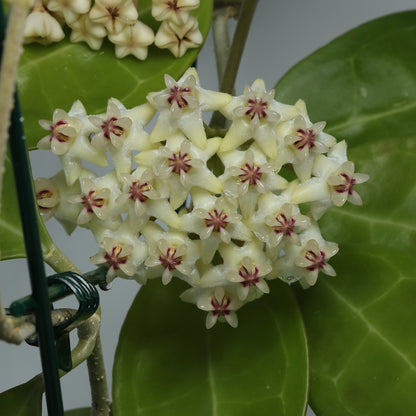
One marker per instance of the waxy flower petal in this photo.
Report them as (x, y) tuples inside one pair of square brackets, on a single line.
[(214, 212), (133, 40), (113, 14), (176, 11), (178, 38), (85, 30), (41, 27)]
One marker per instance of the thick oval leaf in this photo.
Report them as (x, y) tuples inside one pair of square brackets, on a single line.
[(364, 85), (23, 400), (168, 363), (57, 75), (360, 323), (360, 327)]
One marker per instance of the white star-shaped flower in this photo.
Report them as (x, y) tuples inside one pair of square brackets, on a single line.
[(47, 197), (172, 253), (69, 139), (113, 14), (342, 183), (85, 30), (182, 165), (133, 40), (71, 9), (180, 107), (255, 114), (178, 38), (176, 11), (215, 220)]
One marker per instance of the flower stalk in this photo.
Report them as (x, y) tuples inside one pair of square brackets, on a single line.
[(98, 381), (227, 82), (221, 38)]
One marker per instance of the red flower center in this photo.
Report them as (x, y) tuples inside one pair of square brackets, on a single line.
[(113, 12), (173, 5), (348, 186), (217, 220), (251, 174), (256, 107), (110, 127), (251, 278), (44, 193), (170, 260), (89, 201), (178, 95), (56, 134), (179, 162), (138, 191), (306, 138), (317, 260), (286, 225), (220, 308), (114, 259)]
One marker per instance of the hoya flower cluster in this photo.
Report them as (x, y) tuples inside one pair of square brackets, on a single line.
[(92, 21), (216, 212)]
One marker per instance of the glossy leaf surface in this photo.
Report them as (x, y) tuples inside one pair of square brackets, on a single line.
[(168, 363), (361, 323), (11, 235), (55, 76), (360, 328), (23, 400)]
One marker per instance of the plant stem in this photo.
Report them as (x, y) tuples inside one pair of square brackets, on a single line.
[(239, 40), (99, 389), (55, 258), (211, 132), (8, 73), (221, 39), (95, 361), (21, 328), (88, 331), (248, 8)]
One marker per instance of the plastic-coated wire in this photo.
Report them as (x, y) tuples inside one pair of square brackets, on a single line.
[(34, 254), (88, 299), (36, 267), (56, 290), (35, 263), (85, 293)]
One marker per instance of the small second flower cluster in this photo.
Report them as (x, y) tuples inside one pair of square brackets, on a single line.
[(118, 21), (224, 214)]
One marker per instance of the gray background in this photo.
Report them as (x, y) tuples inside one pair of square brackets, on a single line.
[(282, 33)]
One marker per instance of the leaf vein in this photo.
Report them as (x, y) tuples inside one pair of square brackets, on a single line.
[(353, 121), (373, 220), (371, 327)]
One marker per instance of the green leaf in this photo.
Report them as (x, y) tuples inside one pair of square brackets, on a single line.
[(360, 328), (85, 411), (23, 400), (11, 235), (26, 400), (360, 324), (11, 240), (55, 76), (168, 363)]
